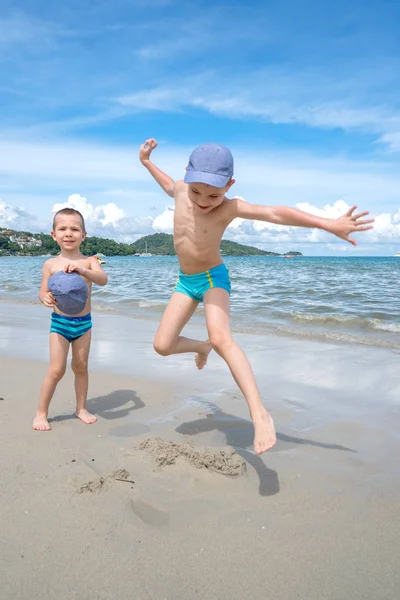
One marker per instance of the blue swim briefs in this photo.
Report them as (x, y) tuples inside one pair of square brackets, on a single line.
[(195, 286), (71, 328)]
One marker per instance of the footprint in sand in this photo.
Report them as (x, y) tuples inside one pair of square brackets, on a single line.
[(148, 514), (98, 484)]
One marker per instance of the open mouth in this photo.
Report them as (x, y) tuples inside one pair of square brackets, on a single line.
[(203, 207)]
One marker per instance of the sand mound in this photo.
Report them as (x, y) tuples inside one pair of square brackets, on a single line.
[(225, 461)]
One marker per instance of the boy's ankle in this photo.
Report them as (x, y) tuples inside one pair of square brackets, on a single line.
[(41, 413)]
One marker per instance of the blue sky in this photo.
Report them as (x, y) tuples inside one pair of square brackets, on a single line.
[(306, 94)]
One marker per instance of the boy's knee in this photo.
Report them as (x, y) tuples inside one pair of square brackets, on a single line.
[(79, 368), (57, 373), (162, 346), (220, 339)]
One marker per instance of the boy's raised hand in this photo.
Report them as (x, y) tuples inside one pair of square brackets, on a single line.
[(147, 148), (72, 268), (350, 223)]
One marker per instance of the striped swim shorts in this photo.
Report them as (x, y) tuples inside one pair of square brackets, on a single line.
[(71, 328)]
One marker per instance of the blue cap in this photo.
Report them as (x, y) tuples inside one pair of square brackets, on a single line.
[(70, 291), (211, 164)]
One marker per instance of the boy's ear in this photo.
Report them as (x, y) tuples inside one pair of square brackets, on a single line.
[(230, 184), (53, 235)]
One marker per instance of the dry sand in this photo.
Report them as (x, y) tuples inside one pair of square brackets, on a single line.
[(163, 498)]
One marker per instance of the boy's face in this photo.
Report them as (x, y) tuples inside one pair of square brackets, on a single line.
[(68, 232), (207, 197)]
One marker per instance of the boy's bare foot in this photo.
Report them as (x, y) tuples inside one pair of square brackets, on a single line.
[(201, 357), (40, 423), (85, 416), (264, 433)]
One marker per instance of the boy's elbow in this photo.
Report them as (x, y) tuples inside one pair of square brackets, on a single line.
[(170, 190)]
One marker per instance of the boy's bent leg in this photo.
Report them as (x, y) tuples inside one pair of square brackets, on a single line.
[(168, 341), (79, 364), (217, 309), (59, 348)]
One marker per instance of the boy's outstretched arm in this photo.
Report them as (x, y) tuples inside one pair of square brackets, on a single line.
[(285, 215), (164, 180)]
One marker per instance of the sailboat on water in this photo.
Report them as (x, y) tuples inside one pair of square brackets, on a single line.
[(145, 254)]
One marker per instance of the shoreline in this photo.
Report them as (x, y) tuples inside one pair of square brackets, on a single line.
[(257, 329)]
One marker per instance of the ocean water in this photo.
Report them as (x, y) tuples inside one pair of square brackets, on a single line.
[(347, 299)]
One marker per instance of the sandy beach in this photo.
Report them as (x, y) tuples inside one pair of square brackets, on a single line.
[(164, 499)]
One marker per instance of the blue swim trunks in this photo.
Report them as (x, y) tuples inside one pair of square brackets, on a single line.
[(71, 328), (195, 286)]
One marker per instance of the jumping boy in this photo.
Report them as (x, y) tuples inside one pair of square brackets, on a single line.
[(66, 330), (202, 213)]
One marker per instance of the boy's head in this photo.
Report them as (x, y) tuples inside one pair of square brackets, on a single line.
[(209, 175), (68, 228)]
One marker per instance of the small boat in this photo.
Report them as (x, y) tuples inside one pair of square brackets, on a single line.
[(145, 254), (397, 255), (100, 259)]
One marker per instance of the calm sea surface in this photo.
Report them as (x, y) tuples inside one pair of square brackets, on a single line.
[(344, 299)]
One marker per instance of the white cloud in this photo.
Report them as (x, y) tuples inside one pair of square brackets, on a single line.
[(16, 217), (106, 214), (108, 220), (386, 229), (165, 221), (308, 98), (392, 140)]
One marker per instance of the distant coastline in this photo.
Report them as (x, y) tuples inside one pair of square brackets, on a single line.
[(24, 243)]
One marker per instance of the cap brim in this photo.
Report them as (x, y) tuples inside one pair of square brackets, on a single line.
[(218, 181)]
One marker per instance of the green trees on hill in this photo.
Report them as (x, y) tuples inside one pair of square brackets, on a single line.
[(157, 243), (95, 245), (163, 243)]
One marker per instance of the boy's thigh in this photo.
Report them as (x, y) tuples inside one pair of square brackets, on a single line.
[(178, 312), (217, 309), (59, 348), (81, 347)]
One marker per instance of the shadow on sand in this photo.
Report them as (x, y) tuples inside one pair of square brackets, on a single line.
[(116, 405), (239, 434)]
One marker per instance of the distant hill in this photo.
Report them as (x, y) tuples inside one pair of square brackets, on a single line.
[(25, 243), (163, 244), (37, 244)]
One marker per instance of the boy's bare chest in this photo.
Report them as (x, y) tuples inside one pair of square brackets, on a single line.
[(196, 228), (60, 264)]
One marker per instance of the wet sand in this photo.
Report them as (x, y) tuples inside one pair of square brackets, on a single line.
[(163, 497)]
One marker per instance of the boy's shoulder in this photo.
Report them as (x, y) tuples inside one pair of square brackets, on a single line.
[(49, 262), (229, 204), (180, 186), (91, 260)]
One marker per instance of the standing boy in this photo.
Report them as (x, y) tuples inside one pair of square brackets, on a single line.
[(66, 330), (202, 214)]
